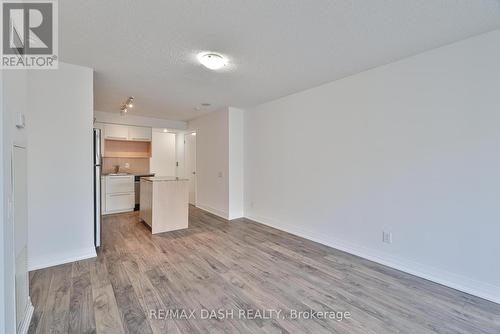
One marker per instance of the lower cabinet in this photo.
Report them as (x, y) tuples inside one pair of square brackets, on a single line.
[(118, 194), (120, 202)]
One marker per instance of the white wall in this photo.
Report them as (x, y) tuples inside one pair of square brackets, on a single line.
[(410, 148), (13, 101), (219, 162), (212, 162), (235, 161), (3, 217), (131, 119), (60, 166)]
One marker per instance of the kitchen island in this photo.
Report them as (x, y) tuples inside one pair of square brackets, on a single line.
[(164, 203)]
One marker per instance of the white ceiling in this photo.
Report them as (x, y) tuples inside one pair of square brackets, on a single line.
[(147, 48)]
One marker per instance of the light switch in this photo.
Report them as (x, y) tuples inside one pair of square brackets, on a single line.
[(20, 120), (219, 174), (387, 237)]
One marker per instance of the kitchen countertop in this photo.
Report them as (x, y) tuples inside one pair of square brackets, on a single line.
[(144, 174), (162, 178), (126, 174)]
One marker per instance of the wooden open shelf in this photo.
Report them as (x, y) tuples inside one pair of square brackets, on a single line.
[(126, 149)]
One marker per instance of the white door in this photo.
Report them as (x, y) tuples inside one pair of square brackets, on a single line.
[(20, 203), (190, 161), (163, 162)]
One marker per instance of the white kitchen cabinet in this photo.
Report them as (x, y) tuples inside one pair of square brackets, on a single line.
[(163, 154), (126, 132), (139, 133), (164, 203), (115, 131), (119, 184), (119, 194), (120, 202)]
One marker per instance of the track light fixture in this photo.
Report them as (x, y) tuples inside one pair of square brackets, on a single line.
[(129, 103)]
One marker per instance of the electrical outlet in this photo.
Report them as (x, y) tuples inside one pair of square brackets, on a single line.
[(127, 165), (387, 237)]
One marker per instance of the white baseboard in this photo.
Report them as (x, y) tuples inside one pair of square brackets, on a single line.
[(25, 324), (235, 216), (50, 261), (217, 212), (107, 213), (477, 288)]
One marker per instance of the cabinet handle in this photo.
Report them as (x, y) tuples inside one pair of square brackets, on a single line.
[(114, 195)]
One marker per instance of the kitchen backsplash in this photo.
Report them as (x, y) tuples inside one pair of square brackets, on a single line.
[(136, 165)]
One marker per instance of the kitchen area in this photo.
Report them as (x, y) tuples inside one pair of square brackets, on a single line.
[(128, 161)]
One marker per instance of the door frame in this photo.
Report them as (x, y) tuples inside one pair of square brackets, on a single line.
[(21, 324), (190, 133)]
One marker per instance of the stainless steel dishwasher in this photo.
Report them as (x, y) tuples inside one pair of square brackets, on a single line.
[(137, 188)]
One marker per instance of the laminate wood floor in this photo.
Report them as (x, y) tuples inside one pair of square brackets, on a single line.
[(246, 266)]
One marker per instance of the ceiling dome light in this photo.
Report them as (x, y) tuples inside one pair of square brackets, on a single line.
[(212, 60)]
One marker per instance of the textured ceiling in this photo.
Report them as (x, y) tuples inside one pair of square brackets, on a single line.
[(148, 48)]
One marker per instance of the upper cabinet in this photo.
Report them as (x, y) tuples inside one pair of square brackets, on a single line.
[(125, 132), (115, 132), (125, 141), (139, 133)]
